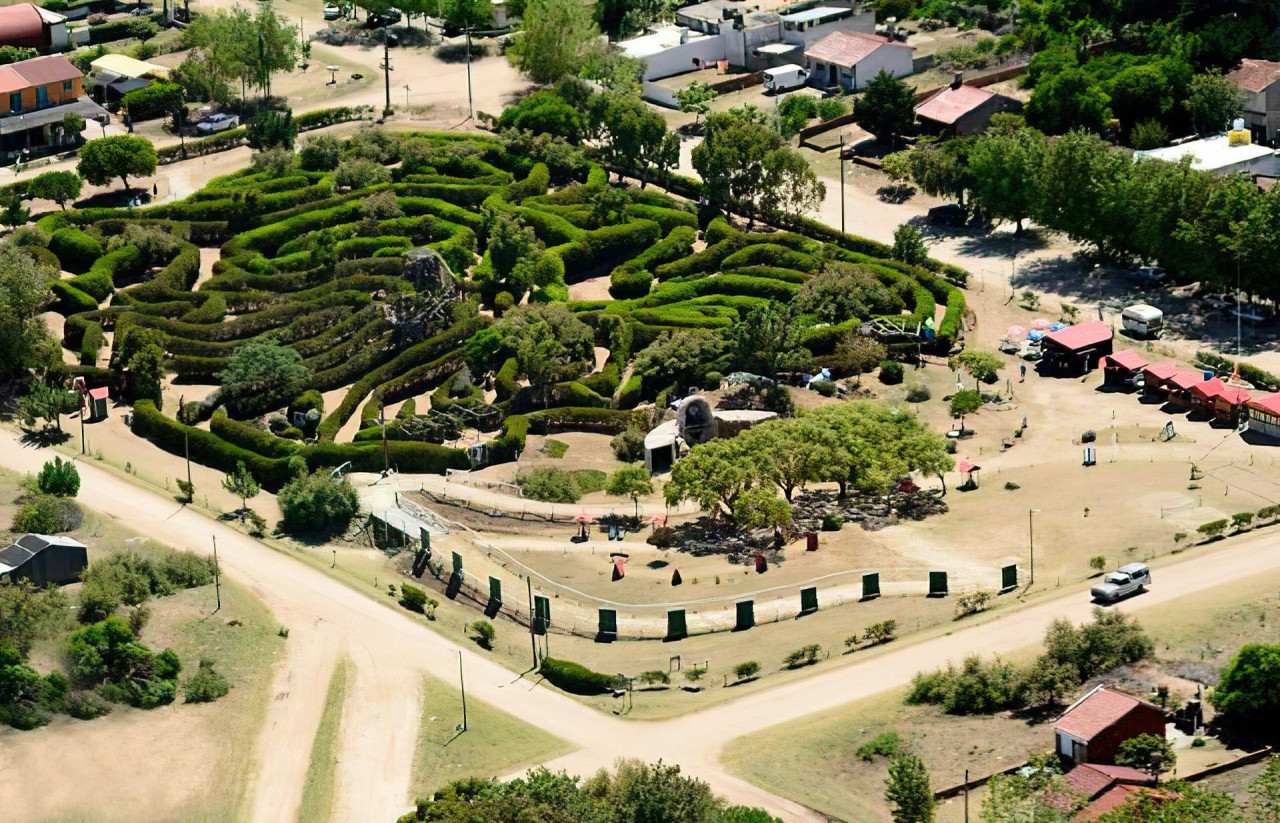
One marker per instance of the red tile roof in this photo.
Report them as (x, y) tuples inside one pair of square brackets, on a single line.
[(1255, 75), (848, 48), (1081, 335), (40, 71), (100, 393), (21, 25), (1234, 396), (1127, 359), (1266, 402), (1208, 388), (950, 104), (1095, 712), (1161, 371), (1187, 379)]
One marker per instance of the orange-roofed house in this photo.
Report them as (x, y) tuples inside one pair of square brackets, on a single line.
[(850, 59), (1263, 413), (1092, 729), (35, 96), (1102, 787), (961, 109), (1121, 369)]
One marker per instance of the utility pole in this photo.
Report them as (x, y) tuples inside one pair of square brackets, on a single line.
[(533, 637), (966, 796), (842, 182), (463, 686), (217, 578), (386, 460), (186, 444), (1031, 543), (470, 109), (386, 71), (83, 409), (406, 95)]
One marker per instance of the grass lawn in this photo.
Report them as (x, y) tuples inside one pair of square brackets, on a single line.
[(494, 744), (317, 794)]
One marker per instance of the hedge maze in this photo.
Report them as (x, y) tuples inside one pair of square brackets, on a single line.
[(385, 261)]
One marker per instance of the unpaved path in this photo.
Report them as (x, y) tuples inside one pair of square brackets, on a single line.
[(327, 619)]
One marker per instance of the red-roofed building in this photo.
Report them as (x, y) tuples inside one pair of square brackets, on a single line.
[(1092, 729), (1178, 388), (851, 58), (1220, 400), (1260, 82), (1122, 368), (29, 26), (96, 399), (1263, 414), (961, 109), (1077, 349)]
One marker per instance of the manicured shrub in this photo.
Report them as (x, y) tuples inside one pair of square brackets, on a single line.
[(574, 678), (317, 504), (483, 632), (549, 485), (206, 685), (59, 478), (890, 373), (77, 250)]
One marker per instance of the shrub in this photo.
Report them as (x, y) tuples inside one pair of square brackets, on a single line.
[(58, 478), (320, 153), (413, 598), (550, 485), (358, 173), (483, 632), (742, 671), (1098, 562), (890, 373), (654, 676), (1213, 529), (1142, 752), (206, 685), (976, 687), (46, 514), (575, 678), (882, 632), (85, 706), (1249, 689), (885, 744), (317, 504), (832, 523), (77, 250), (803, 656), (918, 394), (973, 603)]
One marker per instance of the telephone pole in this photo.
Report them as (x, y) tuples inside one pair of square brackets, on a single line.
[(386, 70), (217, 577), (842, 182), (470, 109), (462, 684), (533, 637), (186, 445)]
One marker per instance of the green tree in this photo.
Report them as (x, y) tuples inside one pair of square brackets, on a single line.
[(1177, 803), (787, 453), (761, 508), (1005, 174), (59, 478), (714, 475), (467, 14), (261, 368), (241, 484), (871, 445), (25, 340), (1212, 102), (551, 345), (272, 129), (633, 137), (122, 156), (964, 403), (846, 291), (1249, 690), (1264, 792), (630, 481), (48, 403), (907, 790), (29, 613), (274, 48), (317, 504), (72, 124), (769, 339), (146, 373), (1069, 100), (790, 185), (680, 358), (1138, 93), (908, 245), (886, 107), (1147, 752), (983, 366), (1148, 134), (695, 99), (511, 240), (556, 40), (61, 187), (942, 169), (731, 158)]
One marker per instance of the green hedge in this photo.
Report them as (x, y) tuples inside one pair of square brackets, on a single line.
[(77, 250), (570, 418), (90, 344), (575, 678), (504, 381), (206, 448), (630, 395), (250, 437)]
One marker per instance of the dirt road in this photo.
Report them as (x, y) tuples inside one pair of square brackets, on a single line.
[(328, 620)]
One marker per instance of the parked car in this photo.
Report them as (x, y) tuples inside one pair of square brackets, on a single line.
[(1151, 275), (388, 18), (332, 12), (218, 122), (1124, 581), (784, 78)]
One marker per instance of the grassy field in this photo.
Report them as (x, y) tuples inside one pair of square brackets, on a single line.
[(494, 744), (317, 795), (814, 761)]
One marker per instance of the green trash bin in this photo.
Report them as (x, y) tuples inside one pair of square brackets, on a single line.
[(541, 614), (1009, 578)]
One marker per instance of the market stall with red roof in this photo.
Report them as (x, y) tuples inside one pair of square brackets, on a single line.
[(1263, 414), (1075, 350), (1222, 401), (1122, 368), (1180, 385)]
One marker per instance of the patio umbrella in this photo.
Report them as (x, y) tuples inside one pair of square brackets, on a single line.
[(1040, 323), (584, 518), (659, 520), (1015, 332)]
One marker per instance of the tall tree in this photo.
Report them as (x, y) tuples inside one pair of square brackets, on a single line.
[(25, 341), (551, 345), (886, 107), (730, 158), (261, 369), (1212, 102), (907, 790), (769, 339), (61, 187), (555, 41), (695, 99), (1005, 171), (122, 155), (630, 481), (1069, 100), (1249, 689), (274, 49), (242, 484), (634, 137)]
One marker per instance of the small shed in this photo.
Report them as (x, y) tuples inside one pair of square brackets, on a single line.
[(96, 399), (1179, 386), (1155, 378), (961, 109), (1092, 729), (1220, 400), (44, 560), (1076, 350), (1121, 369), (1263, 414)]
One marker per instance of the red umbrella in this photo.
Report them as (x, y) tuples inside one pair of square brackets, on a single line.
[(584, 518)]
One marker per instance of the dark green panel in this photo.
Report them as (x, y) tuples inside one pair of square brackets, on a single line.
[(746, 615), (608, 621), (676, 626), (937, 583), (809, 600), (870, 585)]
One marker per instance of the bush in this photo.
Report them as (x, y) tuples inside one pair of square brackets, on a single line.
[(832, 523), (317, 504), (976, 687), (550, 485), (918, 394), (575, 678), (46, 514), (655, 676), (320, 153), (416, 600), (973, 603), (629, 446), (483, 632), (358, 173), (885, 744), (206, 685), (882, 632), (803, 656), (742, 671), (77, 250), (58, 478), (1142, 752), (890, 373), (85, 706)]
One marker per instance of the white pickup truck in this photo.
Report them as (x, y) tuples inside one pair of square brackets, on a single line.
[(217, 122), (1121, 583)]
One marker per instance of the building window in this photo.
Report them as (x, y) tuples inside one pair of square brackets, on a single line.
[(66, 86), (15, 101), (42, 97)]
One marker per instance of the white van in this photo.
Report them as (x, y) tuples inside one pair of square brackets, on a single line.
[(1143, 320), (785, 78)]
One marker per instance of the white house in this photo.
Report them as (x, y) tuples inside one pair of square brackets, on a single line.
[(1217, 155), (851, 58)]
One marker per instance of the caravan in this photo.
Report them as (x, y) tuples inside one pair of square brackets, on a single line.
[(1142, 320)]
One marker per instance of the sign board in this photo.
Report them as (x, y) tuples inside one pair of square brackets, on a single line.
[(608, 627), (425, 537), (1009, 578), (809, 600), (937, 584), (495, 589), (677, 628), (541, 614), (870, 585), (746, 615), (457, 562)]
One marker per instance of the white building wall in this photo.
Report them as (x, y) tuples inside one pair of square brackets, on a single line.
[(58, 36), (679, 59), (864, 22), (894, 59)]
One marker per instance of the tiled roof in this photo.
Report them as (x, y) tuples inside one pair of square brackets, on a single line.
[(1081, 335), (40, 71), (1096, 712), (1208, 388), (847, 48), (1255, 75), (1267, 402), (1187, 379), (1127, 359), (950, 104), (1160, 371), (20, 23)]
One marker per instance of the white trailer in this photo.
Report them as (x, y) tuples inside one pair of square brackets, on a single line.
[(785, 78), (1143, 320)]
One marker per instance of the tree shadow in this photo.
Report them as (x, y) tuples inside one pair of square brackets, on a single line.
[(1003, 244), (43, 438)]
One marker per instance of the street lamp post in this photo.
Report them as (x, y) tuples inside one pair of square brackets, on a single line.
[(1031, 543)]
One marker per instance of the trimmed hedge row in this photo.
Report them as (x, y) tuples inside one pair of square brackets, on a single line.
[(634, 277), (575, 678), (250, 437)]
